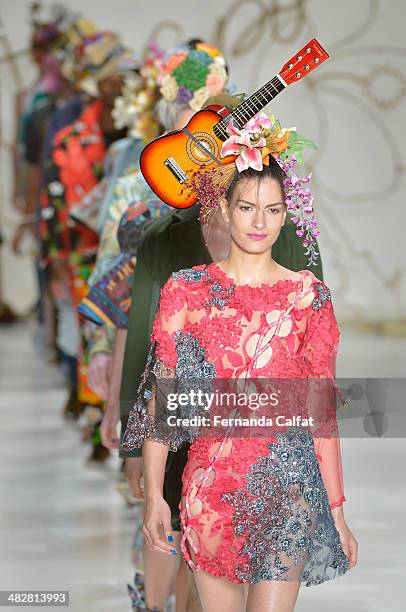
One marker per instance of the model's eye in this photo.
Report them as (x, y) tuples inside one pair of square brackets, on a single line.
[(245, 207), (274, 211)]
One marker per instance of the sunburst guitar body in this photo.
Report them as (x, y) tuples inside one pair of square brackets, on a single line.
[(178, 155), (169, 162)]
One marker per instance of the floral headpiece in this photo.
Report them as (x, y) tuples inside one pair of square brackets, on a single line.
[(135, 107), (251, 145), (96, 57), (193, 73), (46, 32)]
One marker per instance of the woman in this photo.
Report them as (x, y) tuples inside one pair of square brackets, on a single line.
[(259, 516)]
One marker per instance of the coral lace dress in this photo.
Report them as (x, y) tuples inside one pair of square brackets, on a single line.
[(251, 509)]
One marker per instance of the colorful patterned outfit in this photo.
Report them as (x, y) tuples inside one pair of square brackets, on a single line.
[(74, 167), (132, 209), (251, 509)]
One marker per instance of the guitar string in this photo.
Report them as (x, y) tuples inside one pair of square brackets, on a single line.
[(257, 93), (242, 116), (221, 126), (249, 104), (261, 93)]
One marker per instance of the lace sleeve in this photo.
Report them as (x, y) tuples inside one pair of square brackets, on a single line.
[(148, 418), (319, 351)]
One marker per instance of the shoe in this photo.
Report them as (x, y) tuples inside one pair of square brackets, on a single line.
[(73, 407), (7, 315), (137, 593), (99, 454)]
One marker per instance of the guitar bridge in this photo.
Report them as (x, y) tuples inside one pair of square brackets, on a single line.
[(176, 170)]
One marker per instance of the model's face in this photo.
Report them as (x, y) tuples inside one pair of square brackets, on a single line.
[(110, 88), (183, 118), (255, 215), (37, 56)]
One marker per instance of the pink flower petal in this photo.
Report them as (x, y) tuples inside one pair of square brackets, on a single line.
[(253, 158), (230, 147), (245, 139), (252, 124), (241, 163), (265, 122), (231, 129), (261, 143)]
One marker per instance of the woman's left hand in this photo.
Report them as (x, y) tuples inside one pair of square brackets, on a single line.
[(348, 541), (157, 525)]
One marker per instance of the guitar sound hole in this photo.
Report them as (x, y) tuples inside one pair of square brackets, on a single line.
[(202, 148)]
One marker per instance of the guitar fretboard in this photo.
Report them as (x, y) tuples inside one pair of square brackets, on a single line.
[(255, 103)]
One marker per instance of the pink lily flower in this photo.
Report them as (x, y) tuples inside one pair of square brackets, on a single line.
[(258, 123), (248, 153)]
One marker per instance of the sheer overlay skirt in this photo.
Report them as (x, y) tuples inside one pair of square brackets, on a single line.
[(257, 509)]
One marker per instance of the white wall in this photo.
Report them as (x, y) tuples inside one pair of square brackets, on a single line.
[(353, 106)]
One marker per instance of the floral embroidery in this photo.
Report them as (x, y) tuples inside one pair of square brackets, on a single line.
[(191, 361), (189, 274), (192, 371), (324, 295), (289, 533), (221, 295)]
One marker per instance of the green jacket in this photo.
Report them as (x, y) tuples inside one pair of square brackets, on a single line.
[(170, 244)]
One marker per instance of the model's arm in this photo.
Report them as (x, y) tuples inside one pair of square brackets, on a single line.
[(136, 343), (148, 416), (101, 359), (112, 414), (157, 522), (147, 422), (319, 351)]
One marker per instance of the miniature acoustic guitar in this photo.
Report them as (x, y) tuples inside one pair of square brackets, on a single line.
[(168, 162)]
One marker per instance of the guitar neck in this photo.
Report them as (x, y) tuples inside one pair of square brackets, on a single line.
[(250, 107)]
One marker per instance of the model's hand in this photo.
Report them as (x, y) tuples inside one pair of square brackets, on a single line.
[(157, 525), (23, 228), (348, 541), (99, 373), (133, 472), (108, 427)]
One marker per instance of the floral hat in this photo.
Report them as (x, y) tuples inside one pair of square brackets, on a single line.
[(46, 32), (62, 32), (135, 108), (193, 72), (251, 146), (96, 57)]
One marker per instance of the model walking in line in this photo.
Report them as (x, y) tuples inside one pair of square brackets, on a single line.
[(259, 516)]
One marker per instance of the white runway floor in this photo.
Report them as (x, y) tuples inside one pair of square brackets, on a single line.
[(63, 525)]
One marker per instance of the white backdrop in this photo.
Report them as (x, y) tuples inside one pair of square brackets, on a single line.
[(353, 107)]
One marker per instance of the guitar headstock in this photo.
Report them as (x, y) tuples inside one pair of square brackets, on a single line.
[(303, 62)]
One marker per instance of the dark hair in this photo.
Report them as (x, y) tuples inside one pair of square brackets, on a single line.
[(272, 171)]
